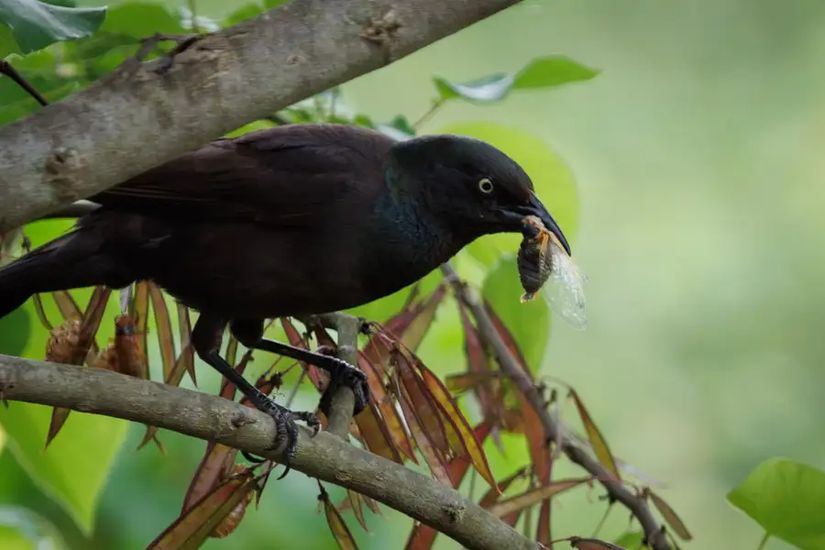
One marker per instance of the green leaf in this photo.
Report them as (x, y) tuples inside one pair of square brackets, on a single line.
[(36, 25), (787, 499), (12, 539), (141, 19), (544, 72), (632, 540), (8, 45), (74, 468), (549, 72), (487, 89), (14, 331), (530, 322)]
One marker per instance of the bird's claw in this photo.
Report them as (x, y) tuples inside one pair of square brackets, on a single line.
[(344, 374), (286, 436)]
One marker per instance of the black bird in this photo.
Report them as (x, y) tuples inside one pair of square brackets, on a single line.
[(294, 220)]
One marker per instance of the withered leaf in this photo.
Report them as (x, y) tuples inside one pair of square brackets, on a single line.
[(187, 350), (492, 496), (459, 423), (597, 440), (336, 523), (421, 404), (357, 508), (397, 429), (215, 466), (375, 434), (434, 458), (592, 544), (533, 496), (140, 312), (411, 325), (189, 530), (66, 304), (421, 537), (316, 376), (130, 356), (488, 388), (231, 354), (179, 367), (166, 340), (670, 516)]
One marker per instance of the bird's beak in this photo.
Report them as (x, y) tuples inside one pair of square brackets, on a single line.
[(536, 208)]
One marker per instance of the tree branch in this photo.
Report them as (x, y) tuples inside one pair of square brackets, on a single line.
[(343, 401), (654, 532), (208, 417), (138, 117)]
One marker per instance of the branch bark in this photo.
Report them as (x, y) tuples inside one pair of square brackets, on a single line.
[(324, 456), (654, 531), (343, 401), (138, 117)]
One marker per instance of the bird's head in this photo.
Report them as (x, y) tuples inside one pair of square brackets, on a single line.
[(471, 185)]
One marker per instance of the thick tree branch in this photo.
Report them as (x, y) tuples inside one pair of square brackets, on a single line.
[(139, 117), (324, 456), (654, 532)]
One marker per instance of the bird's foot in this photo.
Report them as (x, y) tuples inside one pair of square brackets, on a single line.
[(287, 430), (342, 373), (182, 42)]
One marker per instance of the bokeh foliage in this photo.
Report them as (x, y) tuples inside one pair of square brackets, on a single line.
[(63, 68)]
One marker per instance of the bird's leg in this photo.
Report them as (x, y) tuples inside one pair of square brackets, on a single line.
[(250, 334), (206, 339)]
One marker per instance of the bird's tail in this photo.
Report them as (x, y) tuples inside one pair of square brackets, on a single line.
[(71, 261)]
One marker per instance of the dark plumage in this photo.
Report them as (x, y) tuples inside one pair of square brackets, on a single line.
[(288, 221)]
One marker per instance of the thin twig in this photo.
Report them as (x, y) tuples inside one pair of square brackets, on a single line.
[(654, 532), (437, 104), (11, 72), (208, 417)]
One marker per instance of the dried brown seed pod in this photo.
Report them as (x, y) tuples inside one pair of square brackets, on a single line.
[(130, 356), (229, 523), (64, 345), (107, 359)]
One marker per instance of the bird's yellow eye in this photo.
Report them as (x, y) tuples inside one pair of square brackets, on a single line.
[(485, 185)]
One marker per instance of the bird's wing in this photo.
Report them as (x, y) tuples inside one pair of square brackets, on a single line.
[(288, 175)]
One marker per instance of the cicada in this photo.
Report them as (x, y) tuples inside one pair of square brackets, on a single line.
[(541, 257)]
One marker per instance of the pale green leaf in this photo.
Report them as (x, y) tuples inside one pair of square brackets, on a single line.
[(543, 72), (140, 20), (487, 89), (548, 72), (530, 322), (74, 468), (787, 499)]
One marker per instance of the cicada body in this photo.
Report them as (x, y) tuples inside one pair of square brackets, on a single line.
[(541, 257)]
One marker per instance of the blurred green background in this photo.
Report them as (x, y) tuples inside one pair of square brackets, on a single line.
[(698, 155)]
